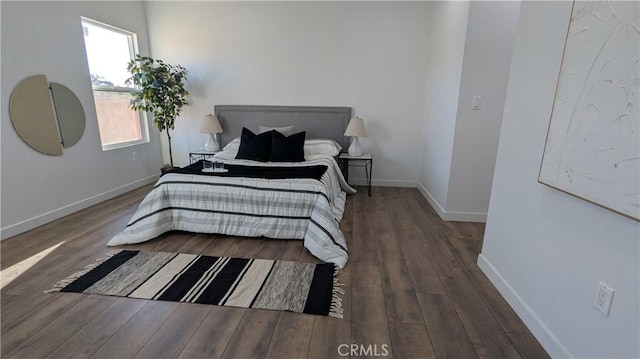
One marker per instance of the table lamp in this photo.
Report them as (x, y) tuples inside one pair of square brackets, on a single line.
[(355, 129), (211, 125)]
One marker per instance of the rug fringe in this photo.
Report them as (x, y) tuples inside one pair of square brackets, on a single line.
[(336, 309), (65, 282)]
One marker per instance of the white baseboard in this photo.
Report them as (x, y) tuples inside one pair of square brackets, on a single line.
[(432, 201), (448, 215), (20, 227), (549, 342), (465, 217)]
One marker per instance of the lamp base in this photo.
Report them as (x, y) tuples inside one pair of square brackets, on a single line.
[(212, 144), (355, 149)]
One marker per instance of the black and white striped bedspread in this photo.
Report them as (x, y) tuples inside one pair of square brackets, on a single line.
[(284, 208)]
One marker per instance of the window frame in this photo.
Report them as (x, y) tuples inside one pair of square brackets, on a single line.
[(133, 50)]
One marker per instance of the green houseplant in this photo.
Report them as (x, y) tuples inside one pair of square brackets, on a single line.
[(159, 90)]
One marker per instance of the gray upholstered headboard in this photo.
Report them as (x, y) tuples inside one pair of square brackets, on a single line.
[(319, 122)]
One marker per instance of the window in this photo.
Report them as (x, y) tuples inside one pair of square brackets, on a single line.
[(109, 49)]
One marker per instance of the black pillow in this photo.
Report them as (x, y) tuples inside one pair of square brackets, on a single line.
[(254, 147), (287, 149)]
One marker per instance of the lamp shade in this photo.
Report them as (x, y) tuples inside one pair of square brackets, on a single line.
[(356, 128), (210, 124)]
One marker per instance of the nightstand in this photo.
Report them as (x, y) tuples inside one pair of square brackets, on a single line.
[(197, 155), (366, 161)]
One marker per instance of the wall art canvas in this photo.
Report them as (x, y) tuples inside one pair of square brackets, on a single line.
[(593, 144)]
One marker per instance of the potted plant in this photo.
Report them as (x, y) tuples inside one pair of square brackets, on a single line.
[(160, 91)]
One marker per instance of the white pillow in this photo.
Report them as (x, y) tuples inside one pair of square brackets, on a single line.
[(234, 145), (321, 146), (285, 130), (226, 155)]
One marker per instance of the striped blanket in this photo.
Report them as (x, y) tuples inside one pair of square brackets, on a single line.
[(276, 208)]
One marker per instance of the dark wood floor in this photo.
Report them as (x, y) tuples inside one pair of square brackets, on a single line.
[(413, 289)]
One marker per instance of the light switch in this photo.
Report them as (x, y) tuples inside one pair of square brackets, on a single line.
[(477, 103)]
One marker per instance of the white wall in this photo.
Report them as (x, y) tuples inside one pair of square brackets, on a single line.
[(543, 249), (370, 56), (470, 47), (46, 38), (489, 43), (447, 32)]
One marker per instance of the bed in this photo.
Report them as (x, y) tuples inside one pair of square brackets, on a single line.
[(282, 200)]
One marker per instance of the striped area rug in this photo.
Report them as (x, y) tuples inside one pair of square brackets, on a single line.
[(238, 282)]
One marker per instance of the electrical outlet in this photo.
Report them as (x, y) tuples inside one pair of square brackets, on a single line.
[(135, 155), (604, 297)]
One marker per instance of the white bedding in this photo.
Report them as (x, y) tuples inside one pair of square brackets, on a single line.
[(282, 208)]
